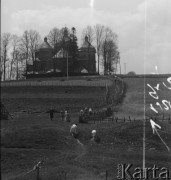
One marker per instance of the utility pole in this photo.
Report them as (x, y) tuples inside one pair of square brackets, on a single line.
[(119, 60), (67, 64), (4, 64), (125, 67), (66, 41)]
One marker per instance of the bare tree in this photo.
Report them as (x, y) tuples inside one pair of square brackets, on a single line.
[(109, 50), (54, 36), (35, 40), (18, 62), (89, 32), (1, 67), (5, 41), (99, 32), (14, 53), (112, 56), (25, 48)]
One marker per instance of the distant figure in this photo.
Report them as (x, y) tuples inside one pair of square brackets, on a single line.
[(74, 131), (95, 138), (90, 112), (86, 110), (81, 112), (66, 116), (82, 117), (109, 112), (51, 113), (62, 115)]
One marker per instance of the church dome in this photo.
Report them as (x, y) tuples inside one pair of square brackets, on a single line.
[(45, 45), (45, 51), (87, 45)]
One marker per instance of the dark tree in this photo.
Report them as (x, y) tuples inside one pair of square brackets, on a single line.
[(5, 41), (73, 48), (35, 40), (68, 43), (15, 40)]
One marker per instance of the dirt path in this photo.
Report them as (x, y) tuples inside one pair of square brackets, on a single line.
[(133, 104)]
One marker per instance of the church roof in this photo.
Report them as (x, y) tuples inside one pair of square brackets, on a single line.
[(45, 45), (87, 45)]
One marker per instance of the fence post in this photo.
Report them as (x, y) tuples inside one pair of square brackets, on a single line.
[(163, 117), (37, 173), (106, 175), (65, 175), (37, 168)]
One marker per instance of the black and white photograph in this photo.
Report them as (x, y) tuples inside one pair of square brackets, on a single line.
[(85, 89)]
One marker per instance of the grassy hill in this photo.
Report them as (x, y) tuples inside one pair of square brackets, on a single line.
[(25, 141), (138, 99), (33, 99), (31, 137)]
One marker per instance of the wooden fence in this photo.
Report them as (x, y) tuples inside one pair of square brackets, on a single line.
[(93, 83)]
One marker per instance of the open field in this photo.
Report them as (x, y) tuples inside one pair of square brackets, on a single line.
[(31, 137)]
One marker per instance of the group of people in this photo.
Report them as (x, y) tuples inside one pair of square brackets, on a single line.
[(85, 114), (75, 133), (65, 116)]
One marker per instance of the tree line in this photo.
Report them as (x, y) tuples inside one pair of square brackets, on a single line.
[(18, 51)]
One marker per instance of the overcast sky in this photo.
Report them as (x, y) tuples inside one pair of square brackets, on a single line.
[(143, 26)]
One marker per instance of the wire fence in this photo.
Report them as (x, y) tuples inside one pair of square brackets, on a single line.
[(130, 119)]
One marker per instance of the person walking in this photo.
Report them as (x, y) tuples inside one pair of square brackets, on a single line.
[(51, 113), (74, 131)]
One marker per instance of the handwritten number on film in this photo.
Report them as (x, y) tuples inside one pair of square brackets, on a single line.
[(166, 104)]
